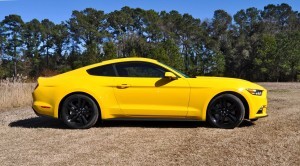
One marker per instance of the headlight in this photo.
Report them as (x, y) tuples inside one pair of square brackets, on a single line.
[(256, 92)]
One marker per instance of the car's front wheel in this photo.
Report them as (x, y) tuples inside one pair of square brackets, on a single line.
[(79, 111), (226, 111)]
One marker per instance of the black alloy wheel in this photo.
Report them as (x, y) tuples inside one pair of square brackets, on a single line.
[(79, 112), (226, 111)]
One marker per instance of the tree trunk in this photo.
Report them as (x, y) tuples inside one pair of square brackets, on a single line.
[(15, 63), (47, 57)]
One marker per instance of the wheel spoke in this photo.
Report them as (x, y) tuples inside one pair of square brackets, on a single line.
[(214, 111), (232, 107), (218, 106), (217, 117), (232, 118), (87, 113), (79, 111), (73, 117), (71, 106), (83, 119), (83, 104), (223, 103), (78, 102), (232, 113), (221, 119)]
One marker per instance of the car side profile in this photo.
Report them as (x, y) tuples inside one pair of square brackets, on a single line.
[(141, 88)]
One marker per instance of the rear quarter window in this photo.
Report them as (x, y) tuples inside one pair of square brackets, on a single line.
[(106, 70)]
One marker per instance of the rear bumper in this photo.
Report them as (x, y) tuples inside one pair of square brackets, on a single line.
[(38, 114), (40, 105), (42, 109)]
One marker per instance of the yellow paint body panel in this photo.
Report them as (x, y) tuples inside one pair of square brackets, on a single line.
[(136, 97)]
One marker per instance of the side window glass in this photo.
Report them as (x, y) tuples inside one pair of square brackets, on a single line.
[(139, 69), (106, 70)]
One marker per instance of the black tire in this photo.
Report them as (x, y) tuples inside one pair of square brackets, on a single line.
[(253, 120), (79, 112), (226, 111)]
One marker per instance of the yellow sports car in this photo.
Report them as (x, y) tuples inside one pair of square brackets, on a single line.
[(141, 88)]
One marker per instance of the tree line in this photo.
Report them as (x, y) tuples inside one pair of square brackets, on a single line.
[(258, 45)]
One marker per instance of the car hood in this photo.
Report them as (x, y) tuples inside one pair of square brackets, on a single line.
[(222, 82)]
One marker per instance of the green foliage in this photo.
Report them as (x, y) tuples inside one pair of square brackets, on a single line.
[(4, 72), (258, 45), (289, 54), (13, 27), (90, 55), (168, 53), (47, 38), (265, 60), (110, 51)]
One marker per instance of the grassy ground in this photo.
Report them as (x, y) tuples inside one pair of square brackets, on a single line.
[(29, 140)]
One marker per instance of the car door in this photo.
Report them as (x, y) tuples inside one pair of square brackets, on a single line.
[(142, 91), (101, 82)]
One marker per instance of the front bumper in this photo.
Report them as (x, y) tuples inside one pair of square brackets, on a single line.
[(258, 108), (262, 112)]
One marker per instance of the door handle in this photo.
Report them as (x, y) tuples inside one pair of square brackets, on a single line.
[(123, 86)]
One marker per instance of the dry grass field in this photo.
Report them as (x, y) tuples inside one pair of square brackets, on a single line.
[(26, 139), (15, 94)]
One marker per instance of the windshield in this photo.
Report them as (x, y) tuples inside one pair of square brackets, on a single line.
[(184, 75)]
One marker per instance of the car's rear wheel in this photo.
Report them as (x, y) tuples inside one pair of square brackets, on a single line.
[(226, 111), (79, 111)]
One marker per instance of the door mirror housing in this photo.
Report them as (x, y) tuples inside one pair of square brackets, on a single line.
[(170, 75)]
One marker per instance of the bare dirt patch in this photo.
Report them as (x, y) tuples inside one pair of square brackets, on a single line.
[(26, 139)]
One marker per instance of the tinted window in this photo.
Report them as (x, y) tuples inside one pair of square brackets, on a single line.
[(139, 69), (106, 70)]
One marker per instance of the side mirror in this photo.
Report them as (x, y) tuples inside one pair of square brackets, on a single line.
[(170, 75)]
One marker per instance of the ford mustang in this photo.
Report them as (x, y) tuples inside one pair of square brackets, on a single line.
[(141, 88)]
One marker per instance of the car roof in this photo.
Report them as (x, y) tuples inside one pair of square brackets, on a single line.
[(128, 59), (118, 60)]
